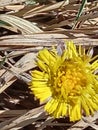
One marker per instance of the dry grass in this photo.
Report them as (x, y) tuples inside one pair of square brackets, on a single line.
[(26, 26)]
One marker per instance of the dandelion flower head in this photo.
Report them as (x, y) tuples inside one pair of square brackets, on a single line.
[(67, 82)]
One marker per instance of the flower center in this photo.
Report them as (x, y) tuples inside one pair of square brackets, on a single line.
[(69, 80)]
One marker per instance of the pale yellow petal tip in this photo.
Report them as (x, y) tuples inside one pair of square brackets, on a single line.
[(69, 80)]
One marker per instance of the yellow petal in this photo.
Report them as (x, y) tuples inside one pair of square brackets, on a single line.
[(84, 105), (46, 56), (42, 66), (75, 112), (51, 106)]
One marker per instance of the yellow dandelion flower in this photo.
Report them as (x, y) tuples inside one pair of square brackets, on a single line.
[(67, 82)]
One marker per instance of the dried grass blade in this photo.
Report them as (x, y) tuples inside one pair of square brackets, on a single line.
[(47, 8), (24, 64), (24, 26), (82, 124), (28, 118), (8, 2), (40, 40), (11, 113)]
